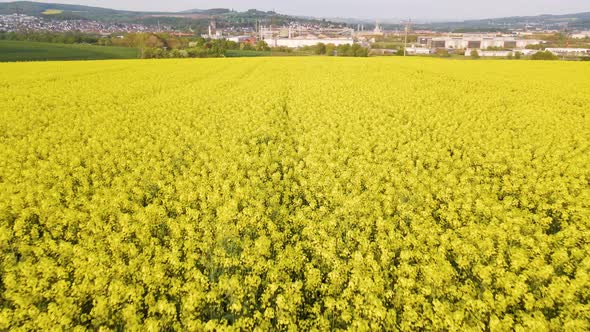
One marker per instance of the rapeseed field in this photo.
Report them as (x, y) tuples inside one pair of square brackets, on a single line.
[(295, 194)]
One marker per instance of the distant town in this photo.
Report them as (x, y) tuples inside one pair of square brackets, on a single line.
[(21, 22), (404, 38)]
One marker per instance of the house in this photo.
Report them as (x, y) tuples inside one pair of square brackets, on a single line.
[(244, 40)]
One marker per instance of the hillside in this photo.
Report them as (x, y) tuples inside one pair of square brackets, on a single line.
[(37, 8), (180, 19), (212, 11), (250, 17), (558, 22)]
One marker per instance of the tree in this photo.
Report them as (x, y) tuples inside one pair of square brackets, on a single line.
[(105, 42), (262, 46), (200, 41), (173, 42), (359, 51), (330, 49), (320, 49), (246, 47), (154, 53), (154, 41), (517, 55), (474, 54), (544, 55), (343, 50), (443, 52)]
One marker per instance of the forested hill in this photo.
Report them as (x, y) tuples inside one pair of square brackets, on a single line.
[(63, 11), (575, 21), (38, 8), (579, 21)]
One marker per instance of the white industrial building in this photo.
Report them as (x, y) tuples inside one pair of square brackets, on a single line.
[(569, 51), (295, 36), (302, 42), (418, 50), (485, 53), (528, 52), (477, 42)]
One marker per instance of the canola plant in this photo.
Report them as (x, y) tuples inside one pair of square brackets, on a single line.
[(295, 194)]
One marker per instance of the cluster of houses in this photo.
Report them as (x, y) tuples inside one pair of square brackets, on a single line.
[(20, 22)]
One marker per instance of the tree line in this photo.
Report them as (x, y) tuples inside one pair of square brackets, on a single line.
[(347, 50), (51, 37), (167, 45)]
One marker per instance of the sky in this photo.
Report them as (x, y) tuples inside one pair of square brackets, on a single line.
[(416, 9)]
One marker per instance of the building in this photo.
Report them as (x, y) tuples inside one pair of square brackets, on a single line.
[(486, 53), (382, 51), (569, 51), (361, 32), (302, 42), (244, 39), (476, 42), (296, 35), (378, 30), (581, 35), (418, 50), (528, 52), (523, 33)]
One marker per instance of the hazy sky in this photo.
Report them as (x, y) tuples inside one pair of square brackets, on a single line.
[(418, 9)]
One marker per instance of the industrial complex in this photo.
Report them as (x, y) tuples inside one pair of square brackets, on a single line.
[(296, 35)]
